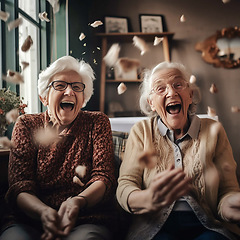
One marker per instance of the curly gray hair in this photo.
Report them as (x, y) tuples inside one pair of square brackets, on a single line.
[(146, 87), (67, 63)]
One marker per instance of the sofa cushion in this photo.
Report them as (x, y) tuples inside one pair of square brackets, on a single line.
[(119, 144)]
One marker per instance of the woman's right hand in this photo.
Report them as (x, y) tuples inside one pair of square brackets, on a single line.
[(167, 187), (69, 211), (51, 224)]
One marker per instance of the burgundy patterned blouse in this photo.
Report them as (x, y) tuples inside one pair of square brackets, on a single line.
[(48, 171)]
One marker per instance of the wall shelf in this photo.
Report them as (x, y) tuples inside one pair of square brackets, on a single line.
[(125, 38)]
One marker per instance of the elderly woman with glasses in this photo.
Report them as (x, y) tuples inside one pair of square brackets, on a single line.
[(178, 176), (46, 202)]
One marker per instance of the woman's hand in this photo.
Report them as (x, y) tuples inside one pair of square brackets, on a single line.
[(165, 188), (32, 206), (68, 212), (231, 208), (51, 224)]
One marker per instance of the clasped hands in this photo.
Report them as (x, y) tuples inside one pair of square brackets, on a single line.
[(58, 224)]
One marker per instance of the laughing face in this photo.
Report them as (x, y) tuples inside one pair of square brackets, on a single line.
[(65, 105), (170, 98)]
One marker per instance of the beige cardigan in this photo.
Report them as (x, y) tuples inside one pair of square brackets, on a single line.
[(208, 159)]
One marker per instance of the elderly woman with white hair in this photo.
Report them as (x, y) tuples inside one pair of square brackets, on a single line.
[(178, 176), (46, 202)]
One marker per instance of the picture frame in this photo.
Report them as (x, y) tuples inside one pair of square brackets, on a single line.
[(116, 24), (150, 23)]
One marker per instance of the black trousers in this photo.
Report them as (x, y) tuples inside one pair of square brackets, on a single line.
[(184, 225)]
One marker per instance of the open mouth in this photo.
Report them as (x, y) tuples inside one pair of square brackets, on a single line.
[(67, 105), (174, 108)]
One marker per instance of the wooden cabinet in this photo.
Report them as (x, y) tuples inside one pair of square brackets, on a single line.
[(107, 38)]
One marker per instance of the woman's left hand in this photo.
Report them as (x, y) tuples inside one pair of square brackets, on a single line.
[(68, 213), (231, 208)]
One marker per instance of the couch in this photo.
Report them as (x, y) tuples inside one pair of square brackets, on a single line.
[(120, 131)]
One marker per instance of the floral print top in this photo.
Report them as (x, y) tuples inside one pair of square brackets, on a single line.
[(48, 171)]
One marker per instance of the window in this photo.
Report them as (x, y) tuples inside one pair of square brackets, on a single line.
[(14, 58)]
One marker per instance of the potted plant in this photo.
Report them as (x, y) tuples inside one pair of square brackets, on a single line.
[(8, 101)]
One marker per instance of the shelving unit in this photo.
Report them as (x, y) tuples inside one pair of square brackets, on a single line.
[(127, 37)]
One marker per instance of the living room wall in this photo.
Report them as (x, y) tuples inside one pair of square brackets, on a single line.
[(203, 19)]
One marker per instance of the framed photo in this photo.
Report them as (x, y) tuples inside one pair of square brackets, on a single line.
[(116, 24), (150, 23)]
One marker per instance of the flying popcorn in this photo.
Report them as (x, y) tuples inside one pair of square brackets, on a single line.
[(24, 65), (157, 40), (213, 89), (127, 64), (112, 55), (226, 1), (46, 136), (14, 77), (12, 115), (235, 109), (6, 143), (78, 181), (183, 18), (192, 79), (121, 88), (4, 16), (141, 44), (14, 24), (211, 112), (82, 36), (43, 17), (27, 44), (148, 159), (81, 170), (96, 24)]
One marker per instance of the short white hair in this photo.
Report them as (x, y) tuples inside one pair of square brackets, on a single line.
[(146, 87), (67, 63)]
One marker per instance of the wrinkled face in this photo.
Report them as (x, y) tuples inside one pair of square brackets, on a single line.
[(173, 103), (65, 105)]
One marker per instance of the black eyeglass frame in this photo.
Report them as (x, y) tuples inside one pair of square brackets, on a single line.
[(66, 85)]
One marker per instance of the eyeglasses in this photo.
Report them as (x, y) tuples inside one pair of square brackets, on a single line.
[(162, 89), (61, 86)]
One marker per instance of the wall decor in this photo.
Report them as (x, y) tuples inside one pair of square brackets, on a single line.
[(150, 23), (222, 49), (116, 24)]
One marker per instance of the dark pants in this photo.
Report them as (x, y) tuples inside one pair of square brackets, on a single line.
[(82, 232), (186, 226)]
